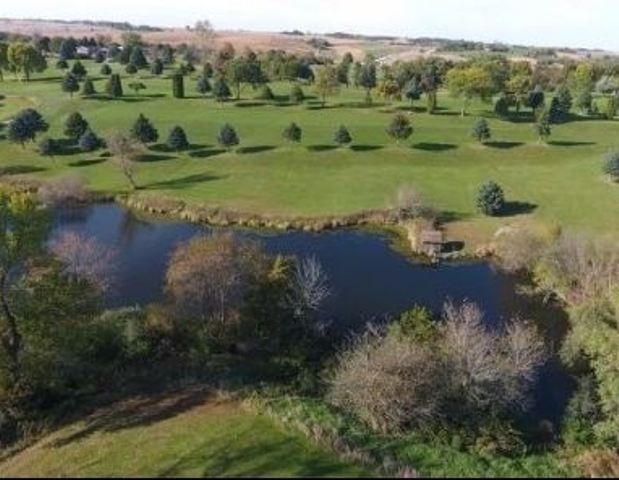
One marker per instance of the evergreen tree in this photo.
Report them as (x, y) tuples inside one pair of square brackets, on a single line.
[(177, 140), (89, 142), (296, 94), (342, 136), (114, 86), (106, 69), (367, 78), (78, 70), (584, 102), (542, 125), (48, 147), (157, 67), (99, 56), (481, 130), (490, 199), (67, 49), (88, 88), (536, 98), (75, 126), (131, 69), (412, 90), (178, 86), (70, 84), (144, 131), (207, 70), (203, 86), (137, 58), (501, 107), (400, 128), (565, 101), (62, 65), (25, 126), (293, 133), (221, 91), (228, 137)]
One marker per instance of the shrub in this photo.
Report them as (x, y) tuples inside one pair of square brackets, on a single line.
[(221, 91), (203, 86), (89, 142), (400, 128), (501, 107), (131, 69), (228, 137), (293, 133), (178, 86), (88, 88), (157, 67), (610, 166), (63, 190), (62, 64), (48, 147), (490, 199), (481, 130), (177, 140), (416, 325), (342, 136), (106, 69), (75, 126), (78, 70), (144, 131)]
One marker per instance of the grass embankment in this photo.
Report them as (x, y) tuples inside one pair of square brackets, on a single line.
[(558, 183), (174, 435)]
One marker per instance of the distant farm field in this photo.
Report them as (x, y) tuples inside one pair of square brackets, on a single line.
[(555, 183)]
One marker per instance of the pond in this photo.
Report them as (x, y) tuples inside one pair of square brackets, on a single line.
[(370, 281)]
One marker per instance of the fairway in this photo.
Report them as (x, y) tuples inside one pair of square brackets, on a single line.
[(557, 183), (178, 435)]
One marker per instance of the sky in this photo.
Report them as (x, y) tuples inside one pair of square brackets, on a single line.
[(574, 23)]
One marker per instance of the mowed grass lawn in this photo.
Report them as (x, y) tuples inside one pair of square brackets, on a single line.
[(180, 435), (561, 182)]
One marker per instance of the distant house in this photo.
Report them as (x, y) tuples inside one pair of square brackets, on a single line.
[(432, 242), (82, 51)]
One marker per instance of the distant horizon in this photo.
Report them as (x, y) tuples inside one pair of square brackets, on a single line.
[(541, 23)]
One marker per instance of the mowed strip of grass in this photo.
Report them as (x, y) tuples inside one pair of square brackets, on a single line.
[(181, 435), (557, 183)]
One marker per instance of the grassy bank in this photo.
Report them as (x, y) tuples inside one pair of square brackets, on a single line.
[(557, 183)]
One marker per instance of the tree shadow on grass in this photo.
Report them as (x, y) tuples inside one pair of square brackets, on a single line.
[(207, 153), (563, 143), (321, 148), (151, 158), (410, 108), (256, 149), (20, 169), (126, 99), (434, 147), (136, 412), (250, 104), (503, 145), (517, 208), (163, 148), (87, 163), (182, 182), (449, 216), (365, 148), (447, 113)]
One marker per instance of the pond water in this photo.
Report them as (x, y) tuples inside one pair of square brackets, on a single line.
[(370, 281)]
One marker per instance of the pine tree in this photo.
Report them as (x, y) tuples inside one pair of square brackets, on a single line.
[(293, 133), (114, 86), (501, 107), (490, 199), (203, 86), (25, 126), (106, 69), (62, 65), (296, 94), (157, 67), (78, 70), (70, 84), (143, 130), (342, 136), (137, 58), (542, 126), (89, 142), (228, 137), (177, 140), (88, 88), (221, 91), (178, 86), (99, 56), (481, 130), (400, 128), (565, 101), (75, 126)]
